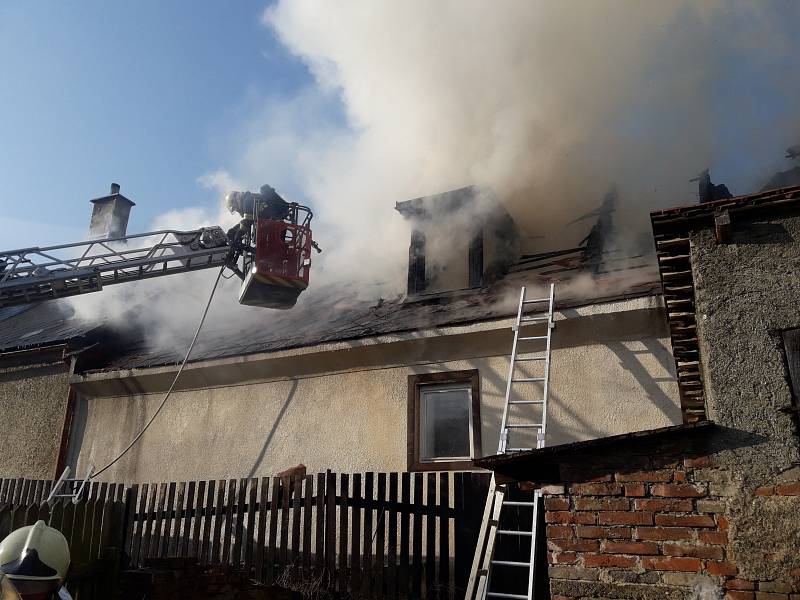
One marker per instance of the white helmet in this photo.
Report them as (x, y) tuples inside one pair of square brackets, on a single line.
[(35, 559)]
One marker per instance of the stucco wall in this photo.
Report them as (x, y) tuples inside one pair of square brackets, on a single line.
[(747, 292), (32, 403), (345, 409)]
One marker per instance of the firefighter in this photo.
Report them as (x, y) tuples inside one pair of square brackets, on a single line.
[(34, 562), (267, 204)]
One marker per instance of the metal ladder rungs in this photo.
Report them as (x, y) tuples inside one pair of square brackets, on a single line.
[(503, 595), (533, 337), (524, 425), (535, 301), (530, 358), (527, 380), (526, 401), (518, 503), (518, 449), (511, 563), (538, 319), (512, 532)]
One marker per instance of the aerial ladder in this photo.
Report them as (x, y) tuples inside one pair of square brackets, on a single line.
[(269, 250)]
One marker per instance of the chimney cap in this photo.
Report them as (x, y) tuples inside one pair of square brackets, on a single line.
[(114, 195)]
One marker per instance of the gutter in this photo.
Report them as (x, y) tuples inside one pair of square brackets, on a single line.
[(33, 356)]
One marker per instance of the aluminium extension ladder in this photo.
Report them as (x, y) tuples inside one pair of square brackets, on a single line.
[(478, 587)]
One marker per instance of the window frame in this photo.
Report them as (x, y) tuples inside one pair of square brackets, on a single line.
[(469, 378)]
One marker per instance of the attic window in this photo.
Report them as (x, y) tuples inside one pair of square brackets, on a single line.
[(444, 420)]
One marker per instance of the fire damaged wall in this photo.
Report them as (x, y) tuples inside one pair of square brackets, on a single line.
[(33, 399), (344, 406)]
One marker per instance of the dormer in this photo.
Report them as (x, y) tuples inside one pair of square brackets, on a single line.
[(460, 240)]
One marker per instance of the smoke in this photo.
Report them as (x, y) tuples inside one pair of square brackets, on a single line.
[(549, 104)]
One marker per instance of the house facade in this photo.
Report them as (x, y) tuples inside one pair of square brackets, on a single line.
[(412, 383)]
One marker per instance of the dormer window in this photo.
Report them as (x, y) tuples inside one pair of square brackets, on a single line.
[(462, 239)]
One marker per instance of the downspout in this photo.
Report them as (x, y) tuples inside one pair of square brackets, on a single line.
[(66, 428)]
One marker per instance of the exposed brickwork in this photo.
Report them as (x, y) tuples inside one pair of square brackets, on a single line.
[(659, 527)]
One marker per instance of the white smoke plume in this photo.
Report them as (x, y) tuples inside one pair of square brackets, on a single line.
[(548, 103)]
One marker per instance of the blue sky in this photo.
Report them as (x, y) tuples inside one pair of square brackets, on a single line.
[(148, 94)]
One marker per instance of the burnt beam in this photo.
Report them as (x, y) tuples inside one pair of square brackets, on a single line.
[(416, 263), (722, 226), (475, 259)]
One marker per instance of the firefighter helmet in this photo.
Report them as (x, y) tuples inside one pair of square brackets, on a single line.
[(35, 559)]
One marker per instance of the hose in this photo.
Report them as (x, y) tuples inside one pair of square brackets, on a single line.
[(174, 381)]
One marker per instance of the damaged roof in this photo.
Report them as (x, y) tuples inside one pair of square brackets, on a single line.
[(333, 315)]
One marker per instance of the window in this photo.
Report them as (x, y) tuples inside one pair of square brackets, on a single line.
[(791, 349), (443, 420)]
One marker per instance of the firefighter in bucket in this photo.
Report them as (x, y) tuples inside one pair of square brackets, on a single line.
[(274, 241), (33, 564)]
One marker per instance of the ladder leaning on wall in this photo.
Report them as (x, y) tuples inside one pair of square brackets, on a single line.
[(512, 427)]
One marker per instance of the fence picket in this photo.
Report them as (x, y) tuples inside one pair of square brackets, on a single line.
[(430, 536), (296, 492), (205, 549), (139, 549), (344, 480), (380, 537), (444, 536), (250, 530), (355, 541), (180, 532), (273, 529), (416, 560), (330, 528), (262, 529), (391, 583), (308, 499), (283, 551), (166, 539), (405, 484), (219, 510), (238, 532), (319, 538), (158, 521), (191, 543), (367, 569), (130, 521)]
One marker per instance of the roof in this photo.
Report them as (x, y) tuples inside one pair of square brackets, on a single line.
[(671, 231), (541, 465), (38, 325), (448, 202), (684, 218), (327, 315)]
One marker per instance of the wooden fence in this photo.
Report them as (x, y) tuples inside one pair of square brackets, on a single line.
[(373, 535), (93, 527)]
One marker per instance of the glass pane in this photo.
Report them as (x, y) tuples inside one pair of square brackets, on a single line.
[(445, 423)]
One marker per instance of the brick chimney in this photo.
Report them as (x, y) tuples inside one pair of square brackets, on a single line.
[(110, 215)]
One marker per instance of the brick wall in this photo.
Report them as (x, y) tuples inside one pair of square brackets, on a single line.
[(657, 533)]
